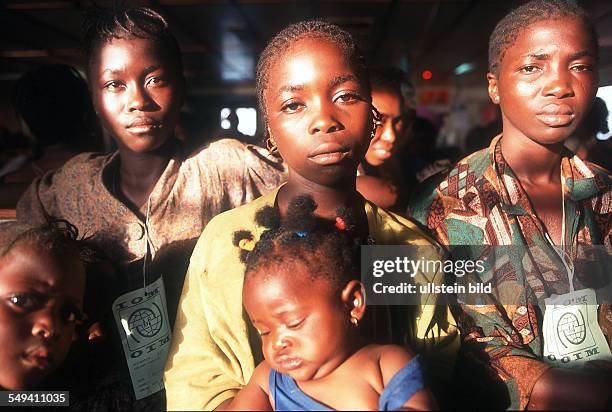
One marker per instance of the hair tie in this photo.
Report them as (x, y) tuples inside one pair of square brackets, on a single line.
[(301, 233), (246, 244), (340, 223)]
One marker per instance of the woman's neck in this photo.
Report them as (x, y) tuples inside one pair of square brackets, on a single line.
[(328, 199), (139, 172), (532, 162)]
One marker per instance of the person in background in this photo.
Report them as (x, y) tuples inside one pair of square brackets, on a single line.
[(584, 142), (380, 172), (532, 210), (54, 107)]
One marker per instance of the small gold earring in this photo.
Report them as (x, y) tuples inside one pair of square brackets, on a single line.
[(354, 321), (376, 121), (271, 145)]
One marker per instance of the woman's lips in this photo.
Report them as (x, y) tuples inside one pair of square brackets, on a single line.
[(328, 154), (554, 115), (143, 125)]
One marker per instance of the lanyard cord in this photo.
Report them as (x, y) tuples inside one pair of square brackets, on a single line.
[(147, 241)]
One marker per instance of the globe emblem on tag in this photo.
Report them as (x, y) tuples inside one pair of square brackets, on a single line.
[(571, 328), (146, 321)]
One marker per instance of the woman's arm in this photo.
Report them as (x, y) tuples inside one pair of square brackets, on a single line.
[(559, 389), (207, 360)]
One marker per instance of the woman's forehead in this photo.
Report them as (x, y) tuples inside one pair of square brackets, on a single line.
[(120, 54), (562, 34)]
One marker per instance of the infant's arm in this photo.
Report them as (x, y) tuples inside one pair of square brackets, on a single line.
[(392, 359), (254, 396)]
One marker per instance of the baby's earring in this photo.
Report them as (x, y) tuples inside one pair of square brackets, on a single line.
[(354, 321), (376, 121), (271, 145)]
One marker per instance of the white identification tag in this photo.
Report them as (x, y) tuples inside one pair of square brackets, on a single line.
[(572, 335), (142, 320)]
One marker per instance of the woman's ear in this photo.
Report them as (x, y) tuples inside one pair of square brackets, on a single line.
[(493, 90), (353, 296)]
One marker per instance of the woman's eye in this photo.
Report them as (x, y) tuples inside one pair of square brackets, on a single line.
[(529, 69), (263, 332), (24, 300), (113, 85), (348, 97), (155, 81), (291, 107), (582, 68)]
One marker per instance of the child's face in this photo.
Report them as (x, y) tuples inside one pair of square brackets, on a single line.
[(304, 327), (547, 81), (40, 297), (389, 104), (318, 112), (137, 92)]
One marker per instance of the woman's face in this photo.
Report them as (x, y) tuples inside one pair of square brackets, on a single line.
[(547, 81), (137, 92), (41, 299), (318, 112)]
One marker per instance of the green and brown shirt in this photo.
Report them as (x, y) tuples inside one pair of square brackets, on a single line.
[(481, 203)]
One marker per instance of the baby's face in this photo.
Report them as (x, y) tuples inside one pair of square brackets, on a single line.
[(303, 324), (40, 302)]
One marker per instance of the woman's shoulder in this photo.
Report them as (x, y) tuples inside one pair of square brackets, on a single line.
[(241, 217), (233, 151), (83, 165), (394, 229)]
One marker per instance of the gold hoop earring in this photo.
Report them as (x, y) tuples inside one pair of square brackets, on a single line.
[(271, 145)]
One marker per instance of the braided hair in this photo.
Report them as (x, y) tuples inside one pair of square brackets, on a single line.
[(103, 25), (508, 29), (324, 246), (319, 29)]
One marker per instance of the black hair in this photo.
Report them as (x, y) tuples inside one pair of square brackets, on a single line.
[(507, 30), (103, 25), (58, 237), (327, 248), (308, 29), (387, 78)]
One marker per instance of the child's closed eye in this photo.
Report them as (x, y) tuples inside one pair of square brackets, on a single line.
[(295, 324)]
